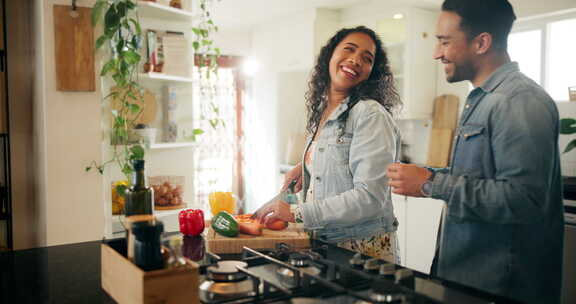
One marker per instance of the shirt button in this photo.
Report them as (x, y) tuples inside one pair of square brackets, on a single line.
[(321, 149), (467, 106), (318, 179)]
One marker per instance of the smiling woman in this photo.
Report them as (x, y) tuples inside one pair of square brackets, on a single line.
[(352, 138)]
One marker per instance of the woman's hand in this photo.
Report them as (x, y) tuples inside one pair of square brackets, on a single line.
[(294, 174), (278, 210)]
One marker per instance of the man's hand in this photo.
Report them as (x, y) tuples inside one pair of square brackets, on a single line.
[(407, 179)]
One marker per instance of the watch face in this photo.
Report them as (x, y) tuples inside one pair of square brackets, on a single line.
[(427, 188)]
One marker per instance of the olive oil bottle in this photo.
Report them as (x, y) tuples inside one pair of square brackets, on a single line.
[(139, 197)]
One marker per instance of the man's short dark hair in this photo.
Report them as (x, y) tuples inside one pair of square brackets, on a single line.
[(478, 16)]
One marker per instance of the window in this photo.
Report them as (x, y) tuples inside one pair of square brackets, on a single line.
[(545, 49)]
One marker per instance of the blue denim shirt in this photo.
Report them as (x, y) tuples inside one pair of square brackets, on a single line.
[(351, 194), (503, 220)]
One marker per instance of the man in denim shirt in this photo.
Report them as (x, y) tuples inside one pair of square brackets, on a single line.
[(502, 225)]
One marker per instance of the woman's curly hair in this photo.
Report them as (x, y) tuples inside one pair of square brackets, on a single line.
[(379, 85)]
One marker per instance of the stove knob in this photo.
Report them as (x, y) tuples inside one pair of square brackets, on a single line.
[(385, 291), (372, 265), (299, 260), (356, 261), (405, 277), (387, 271)]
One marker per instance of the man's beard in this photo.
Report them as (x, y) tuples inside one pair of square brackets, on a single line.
[(463, 71)]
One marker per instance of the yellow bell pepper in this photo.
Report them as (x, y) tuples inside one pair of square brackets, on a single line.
[(222, 201)]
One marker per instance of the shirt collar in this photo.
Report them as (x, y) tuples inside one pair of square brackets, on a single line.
[(340, 109), (498, 76)]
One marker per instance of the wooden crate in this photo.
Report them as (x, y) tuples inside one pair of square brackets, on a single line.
[(126, 283)]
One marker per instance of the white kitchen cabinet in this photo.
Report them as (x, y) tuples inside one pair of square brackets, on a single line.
[(399, 204), (421, 225), (419, 219), (410, 42)]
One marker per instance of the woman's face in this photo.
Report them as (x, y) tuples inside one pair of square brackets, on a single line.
[(351, 61)]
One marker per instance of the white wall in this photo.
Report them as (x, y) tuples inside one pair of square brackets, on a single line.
[(282, 46), (68, 138)]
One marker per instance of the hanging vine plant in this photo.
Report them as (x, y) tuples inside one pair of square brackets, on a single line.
[(206, 56), (122, 33)]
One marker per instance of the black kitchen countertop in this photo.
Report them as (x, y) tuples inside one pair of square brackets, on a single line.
[(56, 274), (71, 274)]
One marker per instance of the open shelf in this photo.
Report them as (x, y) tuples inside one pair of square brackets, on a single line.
[(164, 77), (172, 145), (148, 9)]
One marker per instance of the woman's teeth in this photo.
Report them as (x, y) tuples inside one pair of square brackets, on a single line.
[(348, 70)]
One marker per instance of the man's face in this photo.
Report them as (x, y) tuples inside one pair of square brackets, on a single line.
[(453, 48)]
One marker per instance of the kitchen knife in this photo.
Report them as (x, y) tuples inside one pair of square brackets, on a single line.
[(275, 198)]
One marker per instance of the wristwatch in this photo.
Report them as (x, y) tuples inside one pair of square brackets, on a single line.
[(426, 188)]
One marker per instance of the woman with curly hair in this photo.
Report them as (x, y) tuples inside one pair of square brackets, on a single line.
[(352, 138)]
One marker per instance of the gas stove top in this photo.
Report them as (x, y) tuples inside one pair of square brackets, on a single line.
[(323, 274)]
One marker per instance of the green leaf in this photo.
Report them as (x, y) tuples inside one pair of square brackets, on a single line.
[(119, 122), (100, 41), (132, 57), (121, 9), (196, 31), (88, 168), (195, 45), (111, 19), (570, 146), (136, 152), (130, 5), (127, 169), (567, 126), (198, 131), (136, 26), (121, 189), (206, 42), (134, 108), (109, 66), (120, 46), (213, 122), (97, 11)]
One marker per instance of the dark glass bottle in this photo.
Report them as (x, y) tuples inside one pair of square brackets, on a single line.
[(138, 197)]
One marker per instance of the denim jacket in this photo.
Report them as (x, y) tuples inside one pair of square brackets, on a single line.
[(502, 227), (351, 194)]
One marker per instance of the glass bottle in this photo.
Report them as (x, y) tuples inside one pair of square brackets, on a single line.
[(139, 196)]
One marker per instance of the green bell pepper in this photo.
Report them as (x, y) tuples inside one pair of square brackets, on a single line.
[(225, 224)]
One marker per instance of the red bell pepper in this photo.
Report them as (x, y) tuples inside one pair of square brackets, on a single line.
[(191, 221)]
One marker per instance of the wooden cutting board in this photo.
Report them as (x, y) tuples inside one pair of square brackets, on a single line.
[(445, 112), (293, 235), (74, 49), (440, 148)]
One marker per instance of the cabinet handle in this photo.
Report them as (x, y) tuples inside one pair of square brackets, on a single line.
[(2, 53)]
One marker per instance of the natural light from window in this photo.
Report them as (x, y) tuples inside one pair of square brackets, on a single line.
[(562, 59), (525, 48)]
